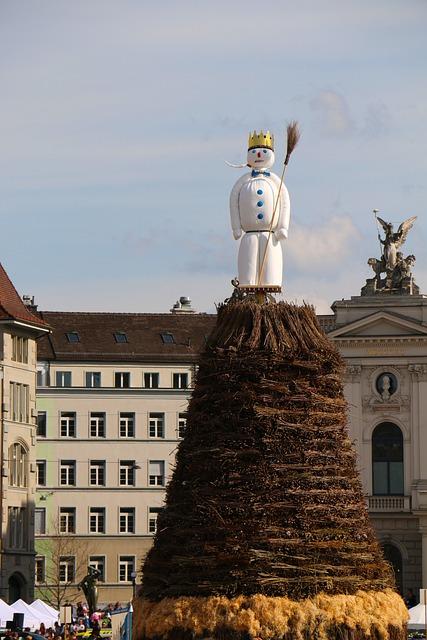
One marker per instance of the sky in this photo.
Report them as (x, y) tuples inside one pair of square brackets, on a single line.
[(116, 118)]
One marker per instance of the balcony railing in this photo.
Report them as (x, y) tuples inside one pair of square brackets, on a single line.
[(389, 504)]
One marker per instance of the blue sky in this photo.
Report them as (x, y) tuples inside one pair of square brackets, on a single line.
[(116, 118)]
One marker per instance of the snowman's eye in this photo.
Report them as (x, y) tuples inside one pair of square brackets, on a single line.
[(253, 150), (265, 151)]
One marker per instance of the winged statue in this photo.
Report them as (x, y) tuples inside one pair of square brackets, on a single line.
[(393, 241)]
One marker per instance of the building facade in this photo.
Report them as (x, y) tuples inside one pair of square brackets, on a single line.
[(19, 330), (112, 394), (383, 340)]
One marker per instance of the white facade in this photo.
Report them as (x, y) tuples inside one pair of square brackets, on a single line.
[(106, 443)]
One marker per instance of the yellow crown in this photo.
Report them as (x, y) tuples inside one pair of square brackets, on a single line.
[(261, 139)]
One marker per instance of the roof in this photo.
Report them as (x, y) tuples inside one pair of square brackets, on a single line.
[(96, 341), (143, 332), (11, 305)]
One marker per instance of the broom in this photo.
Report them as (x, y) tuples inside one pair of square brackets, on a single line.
[(293, 136)]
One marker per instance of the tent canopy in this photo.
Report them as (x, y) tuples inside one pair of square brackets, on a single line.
[(32, 618), (6, 613), (417, 617), (47, 611)]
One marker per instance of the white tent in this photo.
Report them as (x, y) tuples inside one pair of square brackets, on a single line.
[(6, 613), (417, 617), (50, 615), (32, 618)]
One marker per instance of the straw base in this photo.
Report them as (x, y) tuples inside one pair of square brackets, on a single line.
[(377, 615)]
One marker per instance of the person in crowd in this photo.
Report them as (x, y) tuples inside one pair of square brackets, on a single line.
[(410, 599)]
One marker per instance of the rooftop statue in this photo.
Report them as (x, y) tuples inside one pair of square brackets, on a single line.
[(260, 212), (397, 270)]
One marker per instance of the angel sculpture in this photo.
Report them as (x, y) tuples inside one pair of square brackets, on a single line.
[(393, 241)]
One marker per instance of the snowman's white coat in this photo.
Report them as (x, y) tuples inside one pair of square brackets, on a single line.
[(253, 229)]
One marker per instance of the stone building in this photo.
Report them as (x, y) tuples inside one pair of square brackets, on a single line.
[(383, 339), (19, 330)]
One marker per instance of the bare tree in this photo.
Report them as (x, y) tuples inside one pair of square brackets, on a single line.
[(65, 564)]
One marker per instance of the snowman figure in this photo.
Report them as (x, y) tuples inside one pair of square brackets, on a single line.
[(260, 212)]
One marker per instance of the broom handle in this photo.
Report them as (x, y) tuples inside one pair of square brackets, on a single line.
[(272, 221)]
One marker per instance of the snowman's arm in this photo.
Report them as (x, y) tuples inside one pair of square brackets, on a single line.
[(234, 208), (283, 212)]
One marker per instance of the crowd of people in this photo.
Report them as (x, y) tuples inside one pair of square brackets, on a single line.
[(81, 623)]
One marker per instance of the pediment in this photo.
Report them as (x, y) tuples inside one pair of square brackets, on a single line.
[(380, 324)]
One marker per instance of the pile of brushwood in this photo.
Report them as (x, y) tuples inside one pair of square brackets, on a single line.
[(265, 498)]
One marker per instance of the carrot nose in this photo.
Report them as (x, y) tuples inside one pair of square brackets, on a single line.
[(259, 154)]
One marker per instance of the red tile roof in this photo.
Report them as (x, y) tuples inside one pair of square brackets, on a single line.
[(11, 305), (143, 332)]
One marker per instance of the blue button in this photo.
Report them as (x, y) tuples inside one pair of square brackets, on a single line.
[(260, 216), (259, 203), (260, 192)]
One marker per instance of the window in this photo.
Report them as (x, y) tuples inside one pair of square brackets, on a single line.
[(122, 379), (97, 425), (16, 527), (120, 337), (41, 424), (127, 425), (40, 569), (126, 568), (67, 424), (63, 378), (387, 460), (41, 473), (151, 380), (67, 520), (97, 520), (19, 402), (156, 472), (18, 465), (97, 473), (152, 519), (93, 379), (73, 336), (180, 380), (39, 521), (67, 473), (98, 563), (127, 473), (156, 425), (127, 520), (182, 424), (19, 349), (167, 338), (67, 569)]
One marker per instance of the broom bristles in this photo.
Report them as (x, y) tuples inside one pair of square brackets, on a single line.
[(294, 135)]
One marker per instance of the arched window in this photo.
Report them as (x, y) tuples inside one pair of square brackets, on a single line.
[(18, 465), (394, 557), (387, 460)]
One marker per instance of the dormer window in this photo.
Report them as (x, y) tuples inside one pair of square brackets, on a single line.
[(120, 337), (73, 337), (167, 338)]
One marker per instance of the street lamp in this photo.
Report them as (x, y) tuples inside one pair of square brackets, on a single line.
[(133, 576)]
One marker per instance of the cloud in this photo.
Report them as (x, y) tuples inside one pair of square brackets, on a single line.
[(333, 114), (322, 247)]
